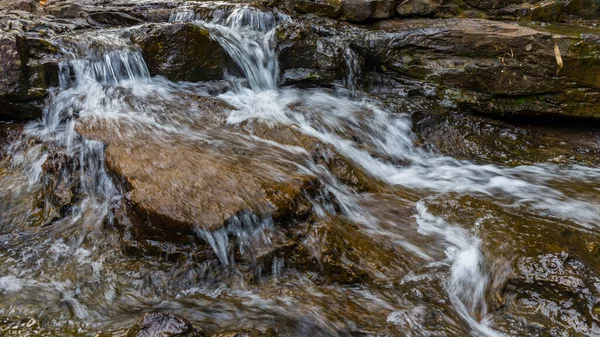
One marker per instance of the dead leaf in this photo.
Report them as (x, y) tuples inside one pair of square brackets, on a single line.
[(559, 61)]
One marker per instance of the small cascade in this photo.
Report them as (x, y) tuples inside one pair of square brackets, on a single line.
[(468, 282), (95, 64), (248, 230), (353, 71), (246, 34)]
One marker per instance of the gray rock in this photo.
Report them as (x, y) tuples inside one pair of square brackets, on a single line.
[(159, 324)]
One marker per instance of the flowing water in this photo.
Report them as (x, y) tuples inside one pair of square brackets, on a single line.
[(425, 252)]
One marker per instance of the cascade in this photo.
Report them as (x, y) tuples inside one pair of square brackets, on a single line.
[(106, 82)]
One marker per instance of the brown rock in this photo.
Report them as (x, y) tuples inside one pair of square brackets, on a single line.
[(178, 184), (330, 8), (417, 8), (363, 10), (181, 52)]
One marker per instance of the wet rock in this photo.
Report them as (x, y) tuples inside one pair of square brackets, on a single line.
[(583, 9), (485, 140), (507, 68), (330, 8), (177, 186), (64, 10), (16, 91), (555, 292), (30, 67), (113, 19), (13, 58), (181, 52), (363, 10), (309, 53), (159, 324), (417, 8), (346, 255), (548, 11), (21, 5)]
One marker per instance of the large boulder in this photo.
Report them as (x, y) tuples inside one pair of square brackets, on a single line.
[(330, 8), (417, 8), (311, 51), (180, 185), (363, 10), (181, 52)]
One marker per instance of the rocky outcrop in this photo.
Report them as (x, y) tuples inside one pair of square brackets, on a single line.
[(182, 52), (496, 68), (476, 65), (537, 10)]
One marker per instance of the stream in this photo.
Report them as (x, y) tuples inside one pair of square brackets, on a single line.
[(418, 243)]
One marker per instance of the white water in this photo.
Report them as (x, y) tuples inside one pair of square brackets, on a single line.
[(373, 138)]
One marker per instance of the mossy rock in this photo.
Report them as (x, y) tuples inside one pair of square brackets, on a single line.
[(182, 52)]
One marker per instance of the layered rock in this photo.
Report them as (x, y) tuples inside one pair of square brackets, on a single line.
[(475, 65), (537, 10), (497, 68)]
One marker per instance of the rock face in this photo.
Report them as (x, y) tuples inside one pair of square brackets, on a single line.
[(159, 324), (29, 67), (498, 68), (363, 10), (182, 52), (480, 66), (12, 61)]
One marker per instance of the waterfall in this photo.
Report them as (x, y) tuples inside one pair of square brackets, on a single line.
[(353, 70), (247, 35)]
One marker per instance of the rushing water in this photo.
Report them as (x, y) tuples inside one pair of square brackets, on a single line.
[(426, 253)]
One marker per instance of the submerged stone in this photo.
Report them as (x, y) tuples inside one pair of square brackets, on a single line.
[(161, 324)]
